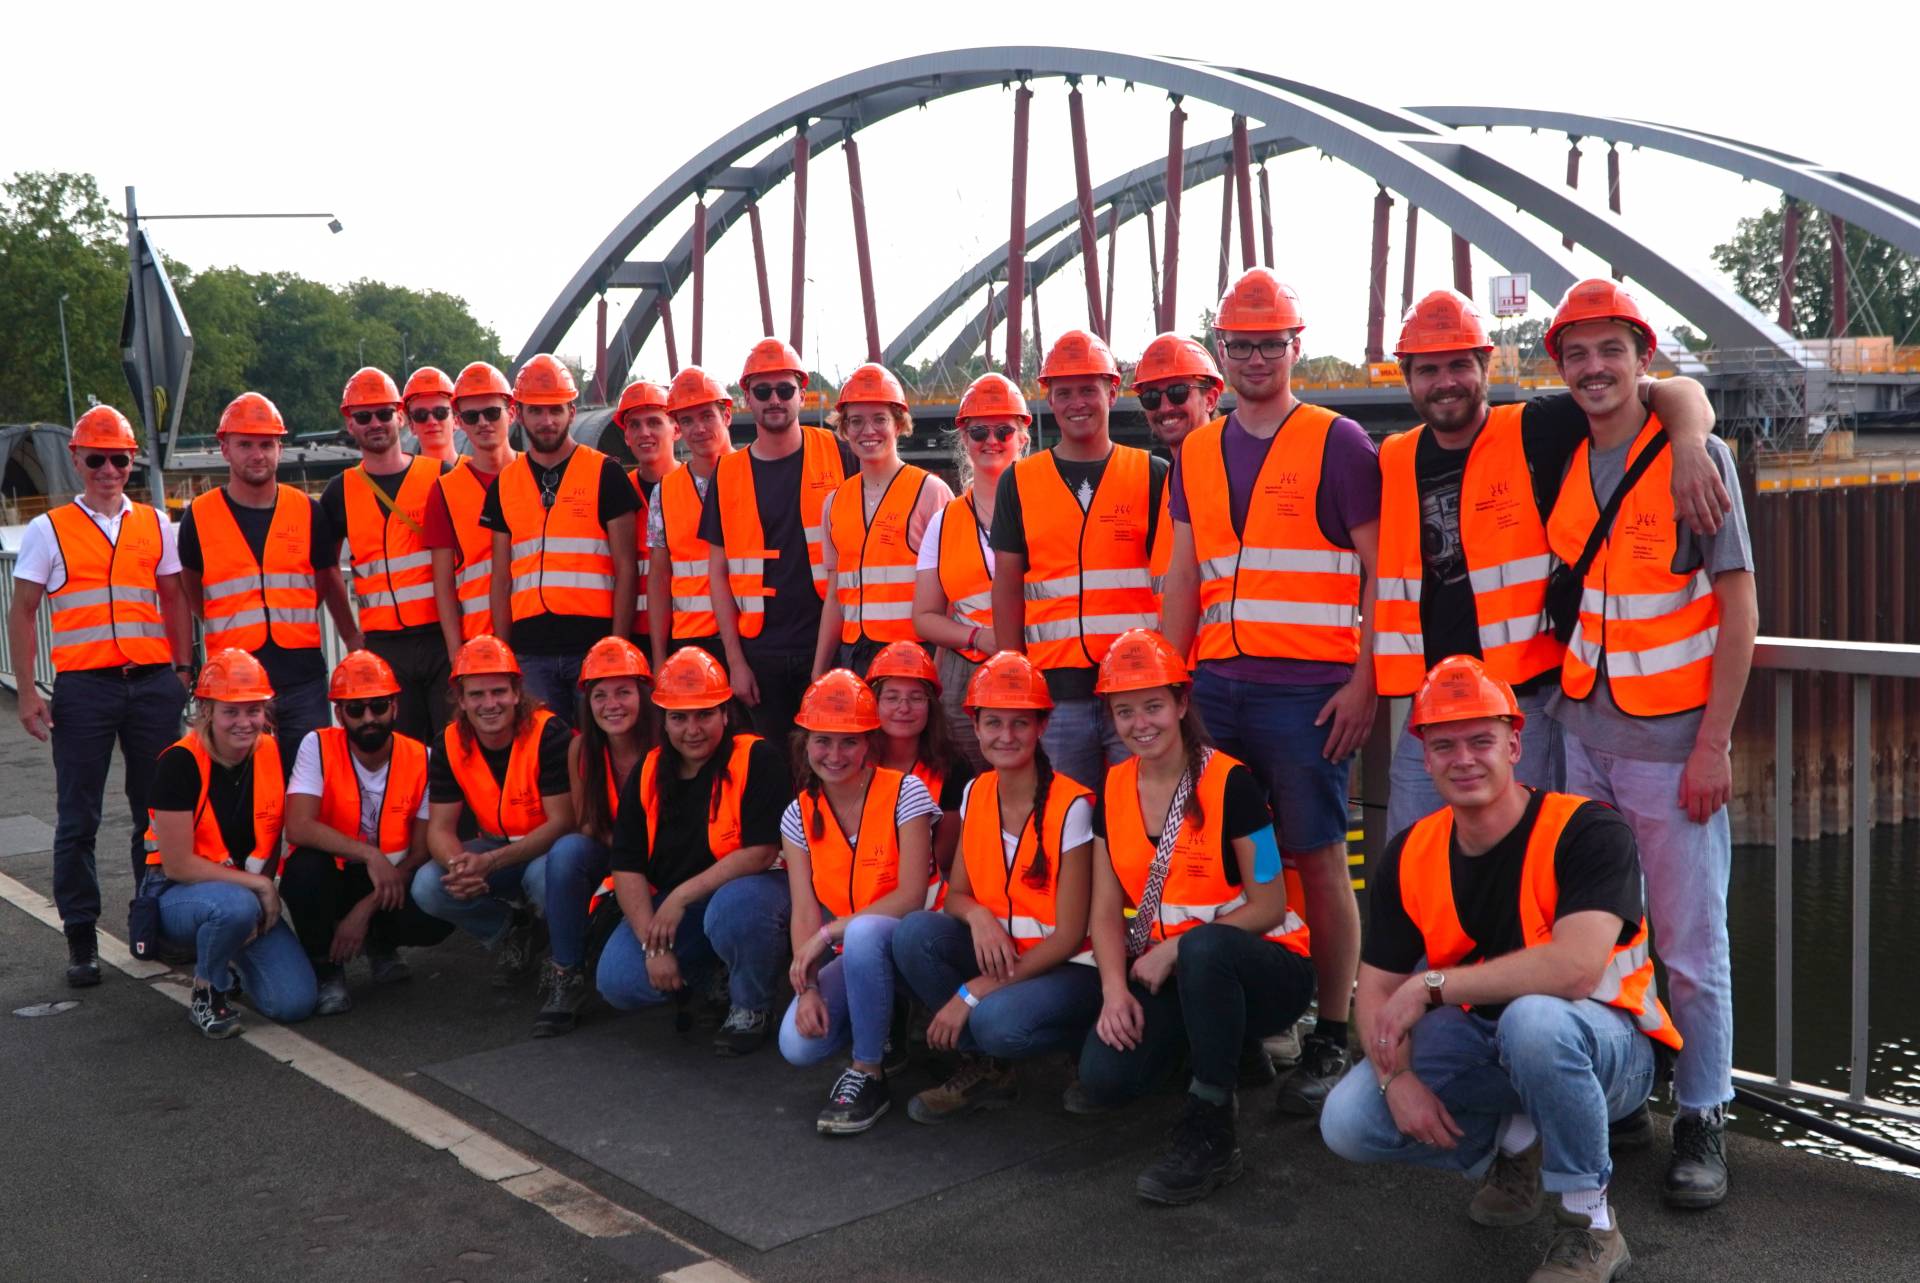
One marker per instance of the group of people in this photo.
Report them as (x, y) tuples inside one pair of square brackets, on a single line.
[(1060, 761)]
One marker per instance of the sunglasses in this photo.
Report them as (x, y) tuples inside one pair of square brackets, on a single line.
[(438, 412), (768, 391), (491, 414), (98, 461), (1241, 349), (999, 432), (364, 417), (358, 708), (1173, 394)]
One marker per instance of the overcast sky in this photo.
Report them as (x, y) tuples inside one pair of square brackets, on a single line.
[(486, 150)]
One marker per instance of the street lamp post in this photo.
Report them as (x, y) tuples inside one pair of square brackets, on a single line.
[(66, 359)]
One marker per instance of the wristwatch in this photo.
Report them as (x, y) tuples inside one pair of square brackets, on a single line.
[(1434, 981)]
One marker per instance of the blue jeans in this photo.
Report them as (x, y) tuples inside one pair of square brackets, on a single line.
[(92, 710), (1686, 866), (747, 922), (485, 916), (1271, 729), (554, 680), (214, 919), (561, 884), (299, 707), (858, 989), (1569, 1066), (622, 976), (1410, 792), (1049, 1012), (1081, 742)]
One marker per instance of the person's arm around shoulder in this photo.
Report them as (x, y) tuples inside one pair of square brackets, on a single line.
[(1700, 497)]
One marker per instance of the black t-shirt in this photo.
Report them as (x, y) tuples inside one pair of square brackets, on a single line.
[(554, 777), (333, 511), (1009, 534), (953, 786), (554, 634), (176, 787), (1246, 814), (1595, 863), (682, 851), (284, 667), (792, 625)]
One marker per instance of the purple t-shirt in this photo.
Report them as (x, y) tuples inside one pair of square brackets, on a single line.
[(1349, 496)]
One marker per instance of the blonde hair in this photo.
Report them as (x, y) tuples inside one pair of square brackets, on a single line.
[(902, 421)]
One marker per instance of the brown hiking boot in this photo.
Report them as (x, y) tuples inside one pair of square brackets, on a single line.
[(1581, 1254), (1509, 1194), (979, 1083)]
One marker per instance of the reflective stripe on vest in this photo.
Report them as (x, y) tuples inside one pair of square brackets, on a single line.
[(680, 502), (746, 539), (247, 601), (1027, 910), (510, 810), (107, 613), (872, 558), (1654, 629), (399, 805), (269, 808), (392, 568), (964, 576), (561, 562), (1502, 539), (465, 495), (849, 876), (1088, 576), (1426, 892)]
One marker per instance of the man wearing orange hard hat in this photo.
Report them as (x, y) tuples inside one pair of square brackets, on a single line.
[(122, 647), (649, 432), (1659, 623), (462, 548), (679, 600), (1178, 387), (428, 401), (1506, 998)]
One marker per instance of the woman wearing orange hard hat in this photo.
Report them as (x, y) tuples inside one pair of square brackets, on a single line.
[(913, 738), (213, 839)]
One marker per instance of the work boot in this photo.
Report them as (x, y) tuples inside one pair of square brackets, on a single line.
[(334, 999), (1078, 1100), (513, 958), (1322, 1063), (212, 1014), (563, 990), (980, 1083), (855, 1104), (1203, 1155), (1256, 1066), (1697, 1173), (1581, 1254), (388, 968), (1509, 1194), (83, 956), (1635, 1131), (741, 1034)]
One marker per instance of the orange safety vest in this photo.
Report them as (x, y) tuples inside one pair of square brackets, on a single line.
[(1505, 544), (1426, 892), (248, 601), (679, 498), (1028, 912), (107, 613), (964, 576), (747, 553), (873, 563), (511, 811), (723, 812), (269, 808), (1089, 576), (1280, 589), (1196, 889), (562, 563), (641, 549), (1655, 629), (465, 496), (392, 567), (849, 876), (340, 790)]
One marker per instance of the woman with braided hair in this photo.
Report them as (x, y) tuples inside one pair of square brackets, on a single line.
[(1197, 941)]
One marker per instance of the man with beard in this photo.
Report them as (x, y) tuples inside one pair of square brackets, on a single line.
[(380, 506), (650, 433), (462, 548), (257, 560), (428, 401), (1178, 386), (564, 563), (761, 520), (356, 832)]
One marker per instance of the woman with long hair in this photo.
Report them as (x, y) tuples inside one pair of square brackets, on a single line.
[(913, 739)]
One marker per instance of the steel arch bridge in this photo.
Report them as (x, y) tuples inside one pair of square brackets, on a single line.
[(1423, 153)]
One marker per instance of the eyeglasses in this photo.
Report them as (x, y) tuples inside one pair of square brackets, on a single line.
[(364, 417), (999, 432), (438, 412), (120, 462), (768, 391), (894, 697), (358, 708), (1173, 393), (491, 414), (1241, 349)]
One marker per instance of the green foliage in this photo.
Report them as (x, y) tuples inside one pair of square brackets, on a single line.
[(1525, 337), (1884, 295), (58, 236)]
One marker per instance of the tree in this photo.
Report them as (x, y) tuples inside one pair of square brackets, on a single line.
[(57, 236), (1884, 289), (1525, 337)]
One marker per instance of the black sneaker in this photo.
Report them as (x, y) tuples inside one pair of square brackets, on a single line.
[(1635, 1131), (855, 1104), (1203, 1156), (741, 1034), (1322, 1064), (563, 990), (513, 958), (1697, 1174), (212, 1015), (83, 956)]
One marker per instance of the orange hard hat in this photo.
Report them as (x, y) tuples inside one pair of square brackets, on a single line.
[(692, 388), (1598, 299), (234, 677), (992, 396), (251, 415), (838, 703), (640, 395), (1139, 659), (613, 657), (690, 678), (1008, 680), (481, 379), (428, 380), (369, 386), (1459, 689), (544, 381), (871, 384), (1259, 300), (103, 428), (361, 674), (1175, 356), (771, 356), (1443, 321), (485, 654), (903, 659), (1078, 353)]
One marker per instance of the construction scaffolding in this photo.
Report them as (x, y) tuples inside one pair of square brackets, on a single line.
[(1774, 406)]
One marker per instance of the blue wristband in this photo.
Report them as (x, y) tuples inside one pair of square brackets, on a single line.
[(965, 995)]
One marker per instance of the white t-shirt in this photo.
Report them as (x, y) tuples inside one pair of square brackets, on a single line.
[(929, 557), (914, 802), (656, 514), (40, 560), (307, 780)]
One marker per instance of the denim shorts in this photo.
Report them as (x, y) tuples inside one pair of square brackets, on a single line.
[(1271, 729)]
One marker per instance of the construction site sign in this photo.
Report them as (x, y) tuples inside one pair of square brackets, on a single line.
[(1510, 294)]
